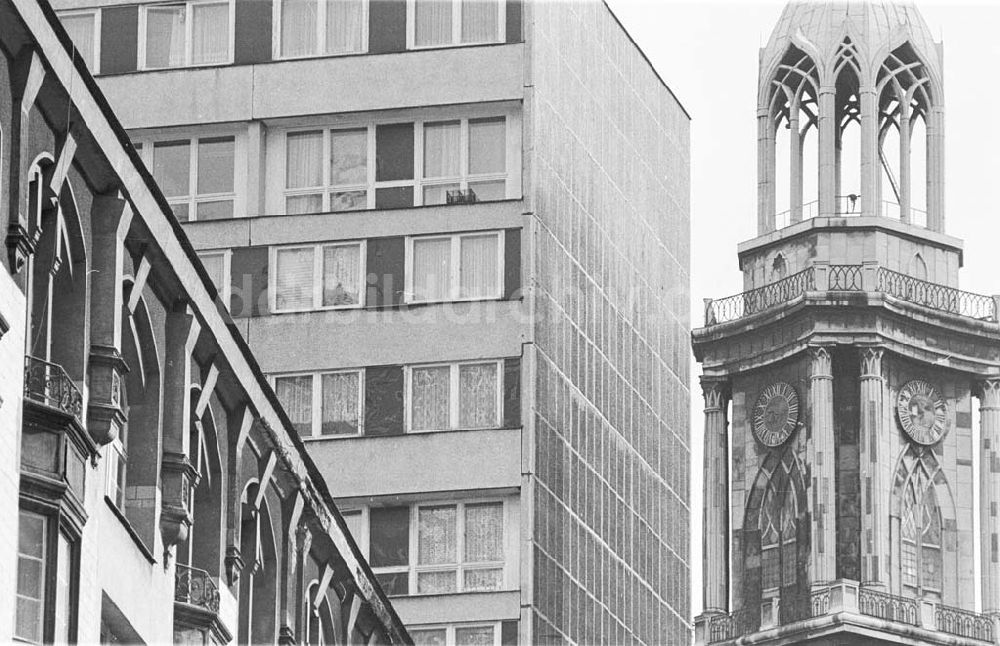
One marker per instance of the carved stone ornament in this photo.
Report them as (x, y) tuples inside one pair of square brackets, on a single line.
[(921, 412), (776, 414)]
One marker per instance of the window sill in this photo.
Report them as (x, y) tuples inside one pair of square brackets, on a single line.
[(130, 530)]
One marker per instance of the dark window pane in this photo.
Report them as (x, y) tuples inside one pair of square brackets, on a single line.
[(394, 583), (399, 197), (217, 210), (390, 536), (394, 152), (180, 211), (216, 161), (172, 167)]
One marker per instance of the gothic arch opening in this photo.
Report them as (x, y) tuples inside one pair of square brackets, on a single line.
[(847, 146), (794, 146)]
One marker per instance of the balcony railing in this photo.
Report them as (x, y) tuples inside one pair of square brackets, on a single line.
[(963, 623), (846, 596), (48, 383), (196, 587), (850, 205), (851, 278), (886, 606)]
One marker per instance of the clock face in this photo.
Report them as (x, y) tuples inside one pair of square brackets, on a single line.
[(776, 414), (921, 412)]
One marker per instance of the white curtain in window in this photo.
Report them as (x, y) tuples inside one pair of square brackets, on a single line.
[(442, 149), (165, 36), (477, 395), (340, 403), (433, 22), (480, 21), (343, 26), (483, 532), (433, 637), (304, 160), (298, 27), (487, 146), (474, 636), (295, 395), (437, 535), (295, 279), (431, 269), (341, 275), (430, 398), (348, 157), (478, 268), (210, 33), (81, 29)]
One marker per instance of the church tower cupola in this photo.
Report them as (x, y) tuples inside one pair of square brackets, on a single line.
[(851, 386)]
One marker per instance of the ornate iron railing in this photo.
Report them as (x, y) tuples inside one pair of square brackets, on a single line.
[(939, 297), (736, 624), (964, 623), (887, 606), (195, 587), (49, 384), (846, 278), (737, 306)]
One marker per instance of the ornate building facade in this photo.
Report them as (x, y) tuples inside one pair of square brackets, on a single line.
[(153, 488), (851, 387)]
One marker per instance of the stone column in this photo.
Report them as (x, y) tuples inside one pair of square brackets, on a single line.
[(989, 491), (715, 559), (794, 164), (870, 168), (904, 161), (823, 466), (935, 169), (874, 518), (303, 541), (765, 172), (827, 127)]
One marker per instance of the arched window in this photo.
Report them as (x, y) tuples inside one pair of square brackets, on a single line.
[(778, 532), (847, 152), (778, 268), (920, 555), (918, 268)]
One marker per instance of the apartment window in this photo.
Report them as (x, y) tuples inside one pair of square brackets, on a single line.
[(185, 33), (31, 574), (488, 634), (324, 404), (447, 161), (452, 268), (327, 170), (455, 396), (443, 23), (197, 176), (317, 27), (217, 264), (84, 28), (318, 277), (117, 462), (438, 548), (467, 156)]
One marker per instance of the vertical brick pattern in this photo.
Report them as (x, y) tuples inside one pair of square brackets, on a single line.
[(873, 512), (822, 466), (610, 180), (989, 488)]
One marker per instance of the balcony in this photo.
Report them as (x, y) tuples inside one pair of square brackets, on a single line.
[(196, 608), (845, 607), (47, 383), (851, 278)]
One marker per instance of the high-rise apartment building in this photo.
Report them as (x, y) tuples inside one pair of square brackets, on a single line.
[(852, 388), (455, 232)]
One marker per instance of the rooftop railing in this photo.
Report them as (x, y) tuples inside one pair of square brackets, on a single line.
[(851, 278), (963, 623), (196, 587), (48, 383), (849, 206)]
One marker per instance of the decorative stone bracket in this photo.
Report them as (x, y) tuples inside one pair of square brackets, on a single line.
[(105, 414), (179, 479)]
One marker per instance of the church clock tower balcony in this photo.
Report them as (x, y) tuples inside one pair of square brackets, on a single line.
[(842, 385)]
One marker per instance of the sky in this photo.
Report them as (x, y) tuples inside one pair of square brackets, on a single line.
[(707, 53)]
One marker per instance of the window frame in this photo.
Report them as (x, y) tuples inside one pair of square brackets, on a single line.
[(316, 423), (318, 250), (454, 395), (95, 69), (456, 27), (277, 191), (117, 461), (450, 630), (146, 145), (55, 528), (464, 177), (455, 279), (321, 33), (188, 34), (225, 289), (507, 566)]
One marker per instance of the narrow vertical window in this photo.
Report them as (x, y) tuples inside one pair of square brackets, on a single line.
[(294, 289), (295, 395), (349, 169), (389, 544), (341, 410), (344, 26), (488, 158), (210, 33), (82, 28), (30, 605), (484, 554), (433, 22), (480, 21), (298, 27), (341, 275), (478, 266), (64, 590), (431, 398), (920, 534), (172, 172), (477, 395), (442, 160), (216, 171), (304, 172), (437, 543), (165, 27), (431, 269)]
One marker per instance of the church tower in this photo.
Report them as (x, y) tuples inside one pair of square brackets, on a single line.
[(852, 385)]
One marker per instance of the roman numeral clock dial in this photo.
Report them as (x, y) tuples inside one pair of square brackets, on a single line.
[(776, 414)]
